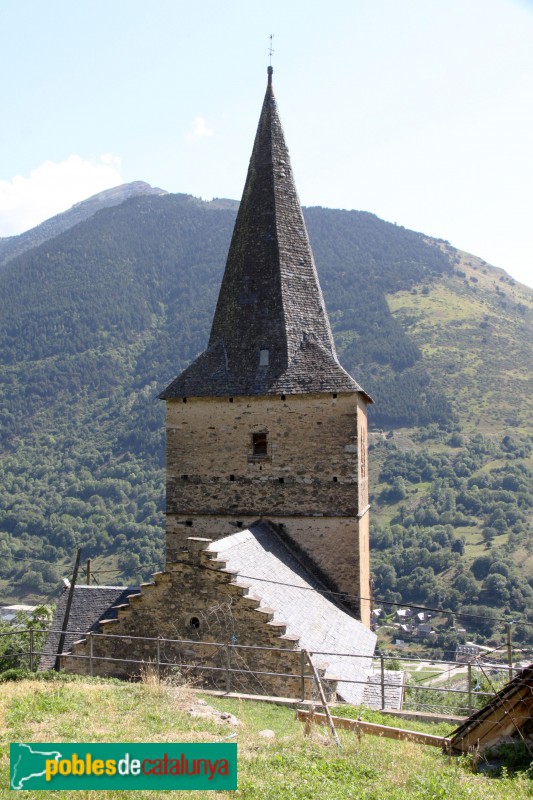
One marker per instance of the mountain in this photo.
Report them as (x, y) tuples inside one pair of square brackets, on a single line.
[(12, 246), (98, 318)]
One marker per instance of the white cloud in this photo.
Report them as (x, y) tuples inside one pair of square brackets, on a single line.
[(52, 188), (199, 129)]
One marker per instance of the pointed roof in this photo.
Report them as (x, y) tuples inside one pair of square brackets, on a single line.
[(271, 332)]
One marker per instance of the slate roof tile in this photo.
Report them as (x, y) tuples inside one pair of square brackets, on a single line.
[(270, 299), (283, 584), (90, 605)]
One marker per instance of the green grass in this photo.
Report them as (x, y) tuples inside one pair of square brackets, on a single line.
[(421, 676), (288, 766)]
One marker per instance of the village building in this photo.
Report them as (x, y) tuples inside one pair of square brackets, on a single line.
[(267, 532)]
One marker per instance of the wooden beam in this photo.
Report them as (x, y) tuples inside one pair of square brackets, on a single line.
[(504, 719), (318, 682), (373, 729)]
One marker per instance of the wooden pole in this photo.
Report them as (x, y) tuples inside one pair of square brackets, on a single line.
[(67, 612), (88, 572), (309, 721), (509, 651), (358, 725), (323, 699)]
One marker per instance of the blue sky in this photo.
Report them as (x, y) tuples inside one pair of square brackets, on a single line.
[(420, 111)]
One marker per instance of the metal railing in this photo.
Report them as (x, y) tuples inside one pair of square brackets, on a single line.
[(445, 686)]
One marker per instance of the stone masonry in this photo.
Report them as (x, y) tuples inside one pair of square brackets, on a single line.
[(312, 478), (266, 423), (199, 600)]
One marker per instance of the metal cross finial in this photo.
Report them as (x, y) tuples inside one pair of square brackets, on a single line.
[(270, 48)]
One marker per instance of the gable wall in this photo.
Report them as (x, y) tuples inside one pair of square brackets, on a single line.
[(197, 585)]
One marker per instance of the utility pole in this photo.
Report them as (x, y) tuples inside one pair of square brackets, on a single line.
[(67, 612), (88, 572)]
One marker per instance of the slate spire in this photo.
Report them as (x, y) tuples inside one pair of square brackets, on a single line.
[(270, 332)]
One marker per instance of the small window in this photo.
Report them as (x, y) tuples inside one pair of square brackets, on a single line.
[(263, 358), (260, 444)]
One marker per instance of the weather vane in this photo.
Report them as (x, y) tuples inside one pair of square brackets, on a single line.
[(270, 48)]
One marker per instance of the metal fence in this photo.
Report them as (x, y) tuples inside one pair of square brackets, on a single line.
[(442, 687)]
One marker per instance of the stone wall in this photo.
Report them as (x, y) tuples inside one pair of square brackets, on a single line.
[(197, 600), (331, 545), (310, 466), (313, 479)]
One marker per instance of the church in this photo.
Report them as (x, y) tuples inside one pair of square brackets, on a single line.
[(266, 424), (267, 512)]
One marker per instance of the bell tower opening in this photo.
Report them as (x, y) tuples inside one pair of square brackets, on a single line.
[(260, 444)]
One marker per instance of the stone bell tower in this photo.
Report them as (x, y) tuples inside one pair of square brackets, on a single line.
[(266, 424)]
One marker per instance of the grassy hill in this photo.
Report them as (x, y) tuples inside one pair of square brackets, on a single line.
[(99, 318), (468, 489), (285, 765), (474, 330)]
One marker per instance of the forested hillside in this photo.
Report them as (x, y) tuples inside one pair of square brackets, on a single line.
[(12, 246), (98, 319)]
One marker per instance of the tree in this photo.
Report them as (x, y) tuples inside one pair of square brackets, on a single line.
[(496, 588), (467, 586), (14, 644), (480, 567)]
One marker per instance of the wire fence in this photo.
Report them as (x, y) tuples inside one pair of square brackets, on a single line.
[(437, 687)]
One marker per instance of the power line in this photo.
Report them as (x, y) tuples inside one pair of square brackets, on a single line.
[(105, 571), (30, 558), (347, 596), (330, 592)]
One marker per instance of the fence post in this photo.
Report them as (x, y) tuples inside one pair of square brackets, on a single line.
[(509, 651), (228, 668), (469, 673), (302, 672), (158, 667), (91, 653), (382, 682), (31, 649)]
